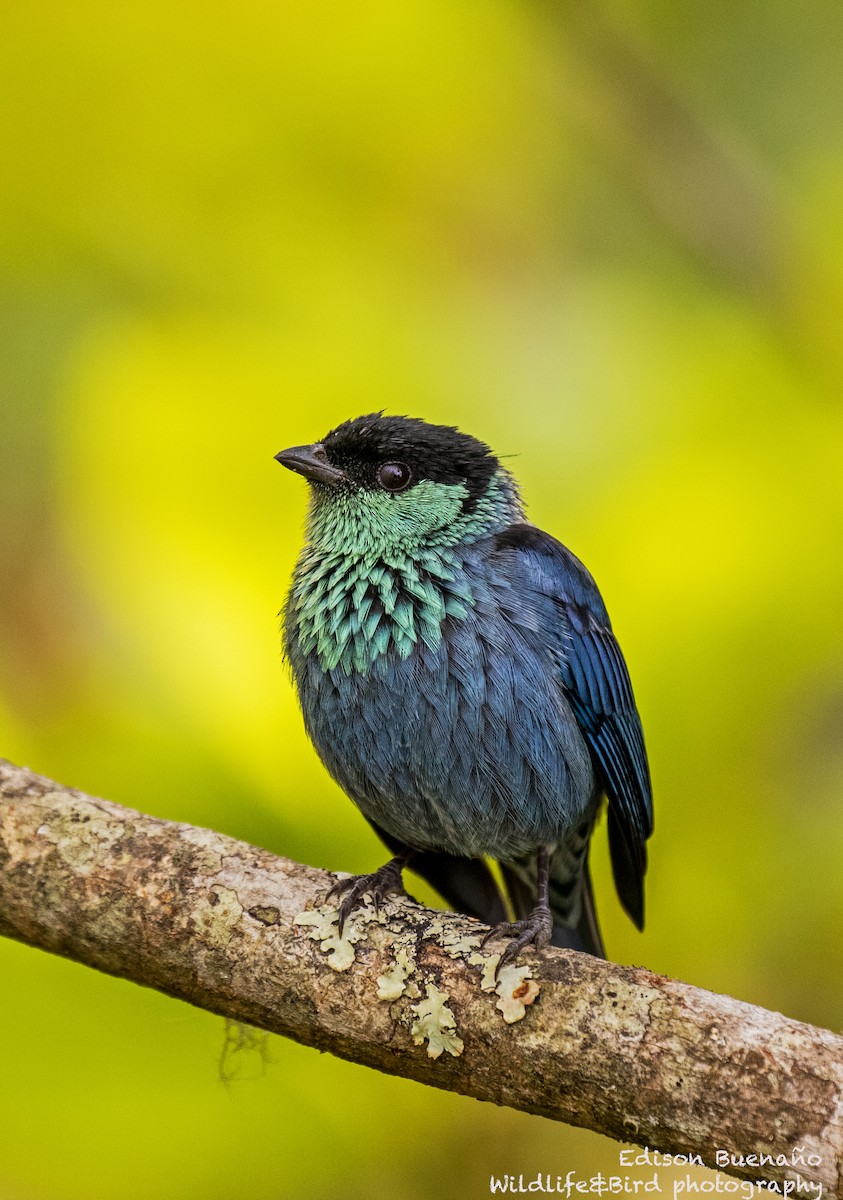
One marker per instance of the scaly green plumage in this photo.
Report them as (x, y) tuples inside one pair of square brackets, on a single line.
[(383, 570)]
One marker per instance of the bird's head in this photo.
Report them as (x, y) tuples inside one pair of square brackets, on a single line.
[(395, 484)]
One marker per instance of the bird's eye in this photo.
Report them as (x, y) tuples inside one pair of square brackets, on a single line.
[(394, 477)]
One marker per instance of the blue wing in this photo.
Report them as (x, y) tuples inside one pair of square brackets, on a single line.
[(596, 681)]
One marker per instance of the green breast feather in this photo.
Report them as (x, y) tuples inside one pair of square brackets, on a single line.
[(381, 571)]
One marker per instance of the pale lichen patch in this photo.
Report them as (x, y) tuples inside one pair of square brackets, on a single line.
[(216, 917), (392, 983), (489, 963), (516, 991), (453, 939), (81, 834), (324, 929), (458, 945), (209, 859), (622, 1010), (515, 987), (436, 1024)]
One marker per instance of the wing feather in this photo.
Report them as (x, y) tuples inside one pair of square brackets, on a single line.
[(596, 680)]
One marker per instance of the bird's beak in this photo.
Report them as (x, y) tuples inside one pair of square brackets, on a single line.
[(312, 462)]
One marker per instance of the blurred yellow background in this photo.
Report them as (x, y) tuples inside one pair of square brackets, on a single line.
[(605, 239)]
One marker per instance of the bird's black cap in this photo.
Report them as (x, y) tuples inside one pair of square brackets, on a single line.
[(358, 448)]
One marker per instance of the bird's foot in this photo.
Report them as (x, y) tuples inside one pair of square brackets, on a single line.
[(386, 881), (536, 929)]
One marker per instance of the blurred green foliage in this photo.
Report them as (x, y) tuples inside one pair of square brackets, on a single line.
[(605, 239)]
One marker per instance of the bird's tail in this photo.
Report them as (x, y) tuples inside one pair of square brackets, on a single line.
[(585, 935), (570, 895)]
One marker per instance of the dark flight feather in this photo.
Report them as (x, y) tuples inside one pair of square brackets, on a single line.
[(596, 679)]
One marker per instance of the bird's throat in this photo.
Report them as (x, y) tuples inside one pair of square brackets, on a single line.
[(380, 575)]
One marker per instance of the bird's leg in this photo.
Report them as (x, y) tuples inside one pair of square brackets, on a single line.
[(381, 883), (537, 928)]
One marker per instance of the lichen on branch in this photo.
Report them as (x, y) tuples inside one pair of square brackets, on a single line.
[(408, 990)]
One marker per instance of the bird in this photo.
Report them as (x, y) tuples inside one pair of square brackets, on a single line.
[(459, 679)]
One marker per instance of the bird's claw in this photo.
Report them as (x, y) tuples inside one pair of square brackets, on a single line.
[(387, 880), (536, 929)]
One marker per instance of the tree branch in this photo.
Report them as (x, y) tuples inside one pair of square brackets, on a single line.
[(239, 932)]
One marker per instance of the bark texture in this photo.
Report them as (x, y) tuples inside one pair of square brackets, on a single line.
[(240, 932)]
